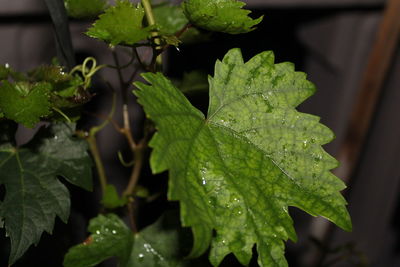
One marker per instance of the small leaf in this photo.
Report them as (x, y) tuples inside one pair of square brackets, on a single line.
[(34, 197), (25, 103), (120, 24), (220, 16), (170, 18), (85, 9), (164, 243), (110, 238), (111, 199), (4, 72), (194, 81), (238, 170)]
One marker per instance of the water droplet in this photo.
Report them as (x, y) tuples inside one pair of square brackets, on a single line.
[(305, 144), (312, 140), (97, 232), (114, 232), (141, 256)]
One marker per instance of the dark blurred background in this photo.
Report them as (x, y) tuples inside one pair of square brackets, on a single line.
[(330, 40)]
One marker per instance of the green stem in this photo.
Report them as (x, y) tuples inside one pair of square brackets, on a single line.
[(151, 21), (91, 139)]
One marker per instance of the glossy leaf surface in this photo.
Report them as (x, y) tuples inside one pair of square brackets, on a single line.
[(120, 24), (238, 170), (220, 15), (34, 196), (110, 238)]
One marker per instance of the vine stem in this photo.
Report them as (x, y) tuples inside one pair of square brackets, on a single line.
[(137, 167), (151, 21), (91, 139)]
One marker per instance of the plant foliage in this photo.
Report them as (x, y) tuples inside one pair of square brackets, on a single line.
[(239, 169), (234, 171)]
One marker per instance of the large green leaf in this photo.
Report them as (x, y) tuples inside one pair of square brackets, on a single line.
[(110, 238), (221, 16), (24, 102), (34, 196), (120, 24), (238, 170)]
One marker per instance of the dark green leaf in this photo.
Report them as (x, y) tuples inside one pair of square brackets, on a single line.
[(120, 24), (238, 170), (67, 154), (194, 81), (34, 197), (25, 103), (4, 71), (111, 199), (110, 238), (164, 243), (221, 16), (85, 9)]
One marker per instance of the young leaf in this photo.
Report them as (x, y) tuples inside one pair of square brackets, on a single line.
[(25, 103), (238, 170), (110, 237), (34, 197), (120, 24), (85, 9), (111, 199), (220, 16)]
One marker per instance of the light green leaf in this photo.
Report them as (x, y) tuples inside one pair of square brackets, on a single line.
[(120, 24), (111, 199), (238, 170), (221, 16), (85, 9), (25, 103), (170, 18), (34, 197), (110, 238), (163, 244)]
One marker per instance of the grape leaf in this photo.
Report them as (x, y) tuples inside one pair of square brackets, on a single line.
[(25, 103), (34, 197), (110, 237), (221, 16), (111, 199), (163, 243), (85, 9), (238, 170), (170, 18), (120, 24)]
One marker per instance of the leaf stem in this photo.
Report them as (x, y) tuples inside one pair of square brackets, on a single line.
[(91, 139), (151, 21)]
